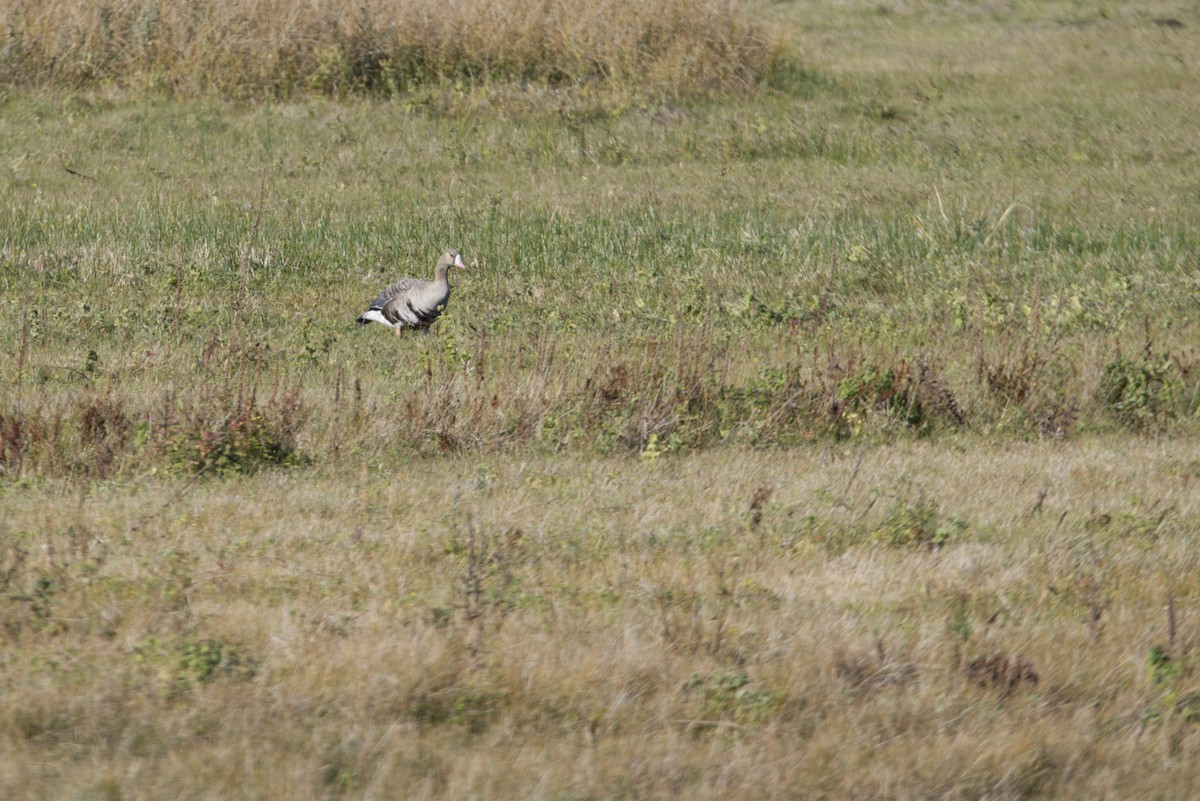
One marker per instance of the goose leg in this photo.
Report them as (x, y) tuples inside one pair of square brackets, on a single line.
[(398, 331)]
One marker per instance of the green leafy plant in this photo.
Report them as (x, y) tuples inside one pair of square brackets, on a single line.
[(731, 696), (1140, 392), (917, 523), (241, 438)]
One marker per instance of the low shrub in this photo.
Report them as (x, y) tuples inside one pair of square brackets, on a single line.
[(237, 435), (1144, 391)]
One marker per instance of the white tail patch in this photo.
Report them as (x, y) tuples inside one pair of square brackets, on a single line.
[(375, 316)]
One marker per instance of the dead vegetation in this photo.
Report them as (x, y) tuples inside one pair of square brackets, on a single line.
[(637, 406), (585, 622), (382, 47)]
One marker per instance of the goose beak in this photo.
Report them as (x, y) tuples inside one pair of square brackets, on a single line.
[(458, 262)]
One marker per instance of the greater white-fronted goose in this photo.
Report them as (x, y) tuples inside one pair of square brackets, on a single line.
[(414, 302)]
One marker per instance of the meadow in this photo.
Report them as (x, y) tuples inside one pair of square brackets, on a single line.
[(819, 415)]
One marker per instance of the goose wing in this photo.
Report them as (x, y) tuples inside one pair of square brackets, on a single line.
[(422, 315), (394, 302)]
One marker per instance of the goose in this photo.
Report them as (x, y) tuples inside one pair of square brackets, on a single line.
[(414, 302)]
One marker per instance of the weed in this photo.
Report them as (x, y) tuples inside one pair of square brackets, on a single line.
[(1170, 675), (1002, 671), (761, 496), (316, 351), (200, 661), (183, 664), (340, 774), (247, 437), (917, 524), (473, 709), (488, 585), (1147, 391), (1163, 670), (104, 431), (17, 435), (871, 671), (14, 556), (913, 394), (730, 697)]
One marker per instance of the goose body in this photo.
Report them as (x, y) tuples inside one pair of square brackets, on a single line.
[(414, 302)]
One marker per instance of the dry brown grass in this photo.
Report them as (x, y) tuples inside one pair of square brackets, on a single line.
[(388, 46), (555, 627)]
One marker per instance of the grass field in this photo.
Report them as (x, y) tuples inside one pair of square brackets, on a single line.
[(824, 425)]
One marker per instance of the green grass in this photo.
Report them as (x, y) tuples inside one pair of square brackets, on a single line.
[(834, 438), (242, 241)]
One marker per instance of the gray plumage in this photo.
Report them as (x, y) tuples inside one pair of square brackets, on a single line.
[(414, 302)]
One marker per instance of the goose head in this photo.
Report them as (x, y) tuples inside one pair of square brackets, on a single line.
[(451, 258)]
